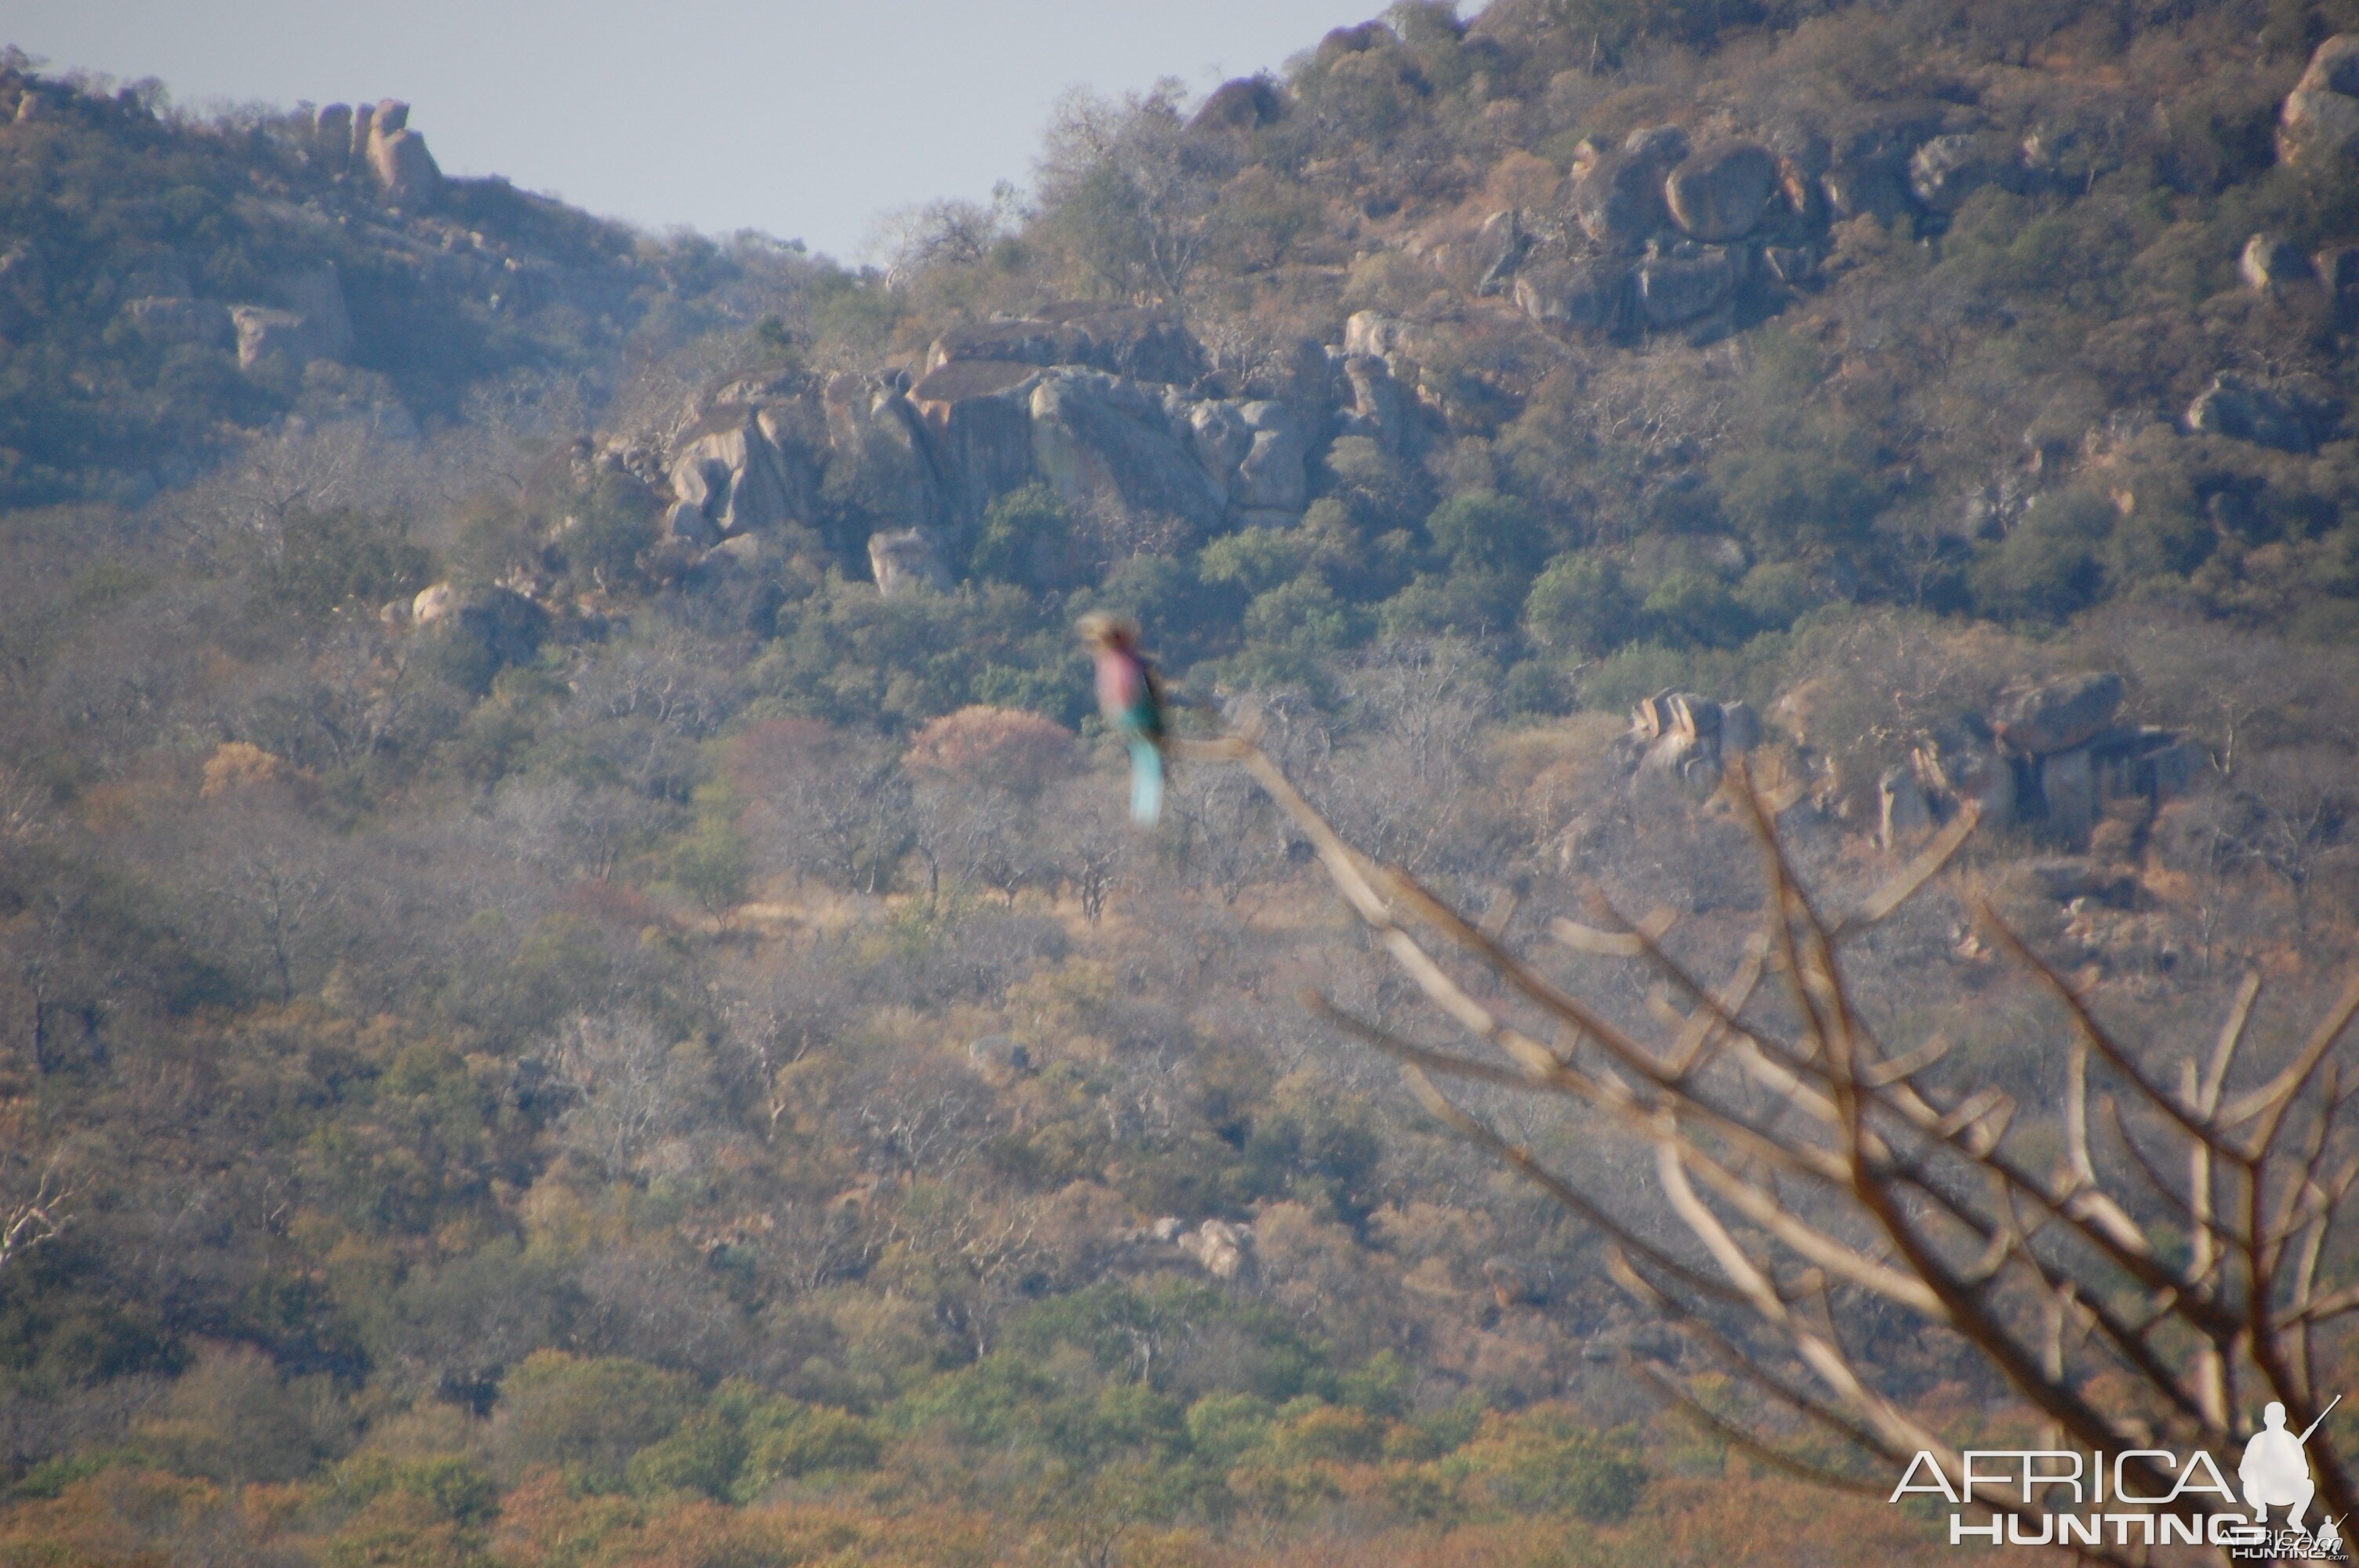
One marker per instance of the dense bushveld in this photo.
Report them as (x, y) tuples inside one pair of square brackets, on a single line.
[(704, 1073)]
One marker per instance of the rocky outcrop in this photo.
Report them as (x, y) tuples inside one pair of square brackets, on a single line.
[(1103, 441), (1947, 169), (2058, 714), (1145, 345), (268, 337), (1097, 403), (1713, 231), (433, 603), (1377, 408), (2279, 416), (165, 319), (733, 474), (332, 137), (1868, 188), (477, 634), (2319, 118), (311, 325), (1498, 248), (1006, 404), (1717, 193), (1220, 1248), (1590, 296), (686, 523), (904, 560), (1690, 281), (1272, 475), (878, 443), (2052, 755), (2056, 755), (1618, 196), (374, 143), (1902, 810), (1220, 437), (406, 173), (2334, 66), (978, 416), (1679, 743), (2270, 263)]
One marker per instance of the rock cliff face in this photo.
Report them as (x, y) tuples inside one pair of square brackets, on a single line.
[(1106, 441), (1112, 409)]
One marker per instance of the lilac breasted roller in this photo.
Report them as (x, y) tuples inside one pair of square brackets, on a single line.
[(1132, 700)]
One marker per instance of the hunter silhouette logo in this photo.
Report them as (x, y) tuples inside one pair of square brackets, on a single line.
[(2276, 1474), (2140, 1498)]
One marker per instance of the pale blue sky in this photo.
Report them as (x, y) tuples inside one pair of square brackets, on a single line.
[(800, 118)]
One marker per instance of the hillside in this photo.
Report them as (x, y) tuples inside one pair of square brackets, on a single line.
[(567, 928)]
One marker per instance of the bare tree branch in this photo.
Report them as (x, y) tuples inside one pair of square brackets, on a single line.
[(1853, 1170)]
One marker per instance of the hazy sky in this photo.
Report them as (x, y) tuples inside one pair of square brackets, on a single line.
[(800, 118)]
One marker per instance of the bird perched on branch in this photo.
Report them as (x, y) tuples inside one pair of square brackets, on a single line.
[(1132, 700)]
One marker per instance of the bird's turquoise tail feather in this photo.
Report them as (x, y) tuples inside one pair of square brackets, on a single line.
[(1146, 782)]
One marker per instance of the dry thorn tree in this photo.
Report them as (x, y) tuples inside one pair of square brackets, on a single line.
[(2143, 1305)]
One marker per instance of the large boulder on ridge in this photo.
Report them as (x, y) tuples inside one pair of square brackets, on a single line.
[(406, 172), (1717, 193)]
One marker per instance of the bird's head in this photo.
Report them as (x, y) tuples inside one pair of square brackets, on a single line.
[(1104, 633)]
